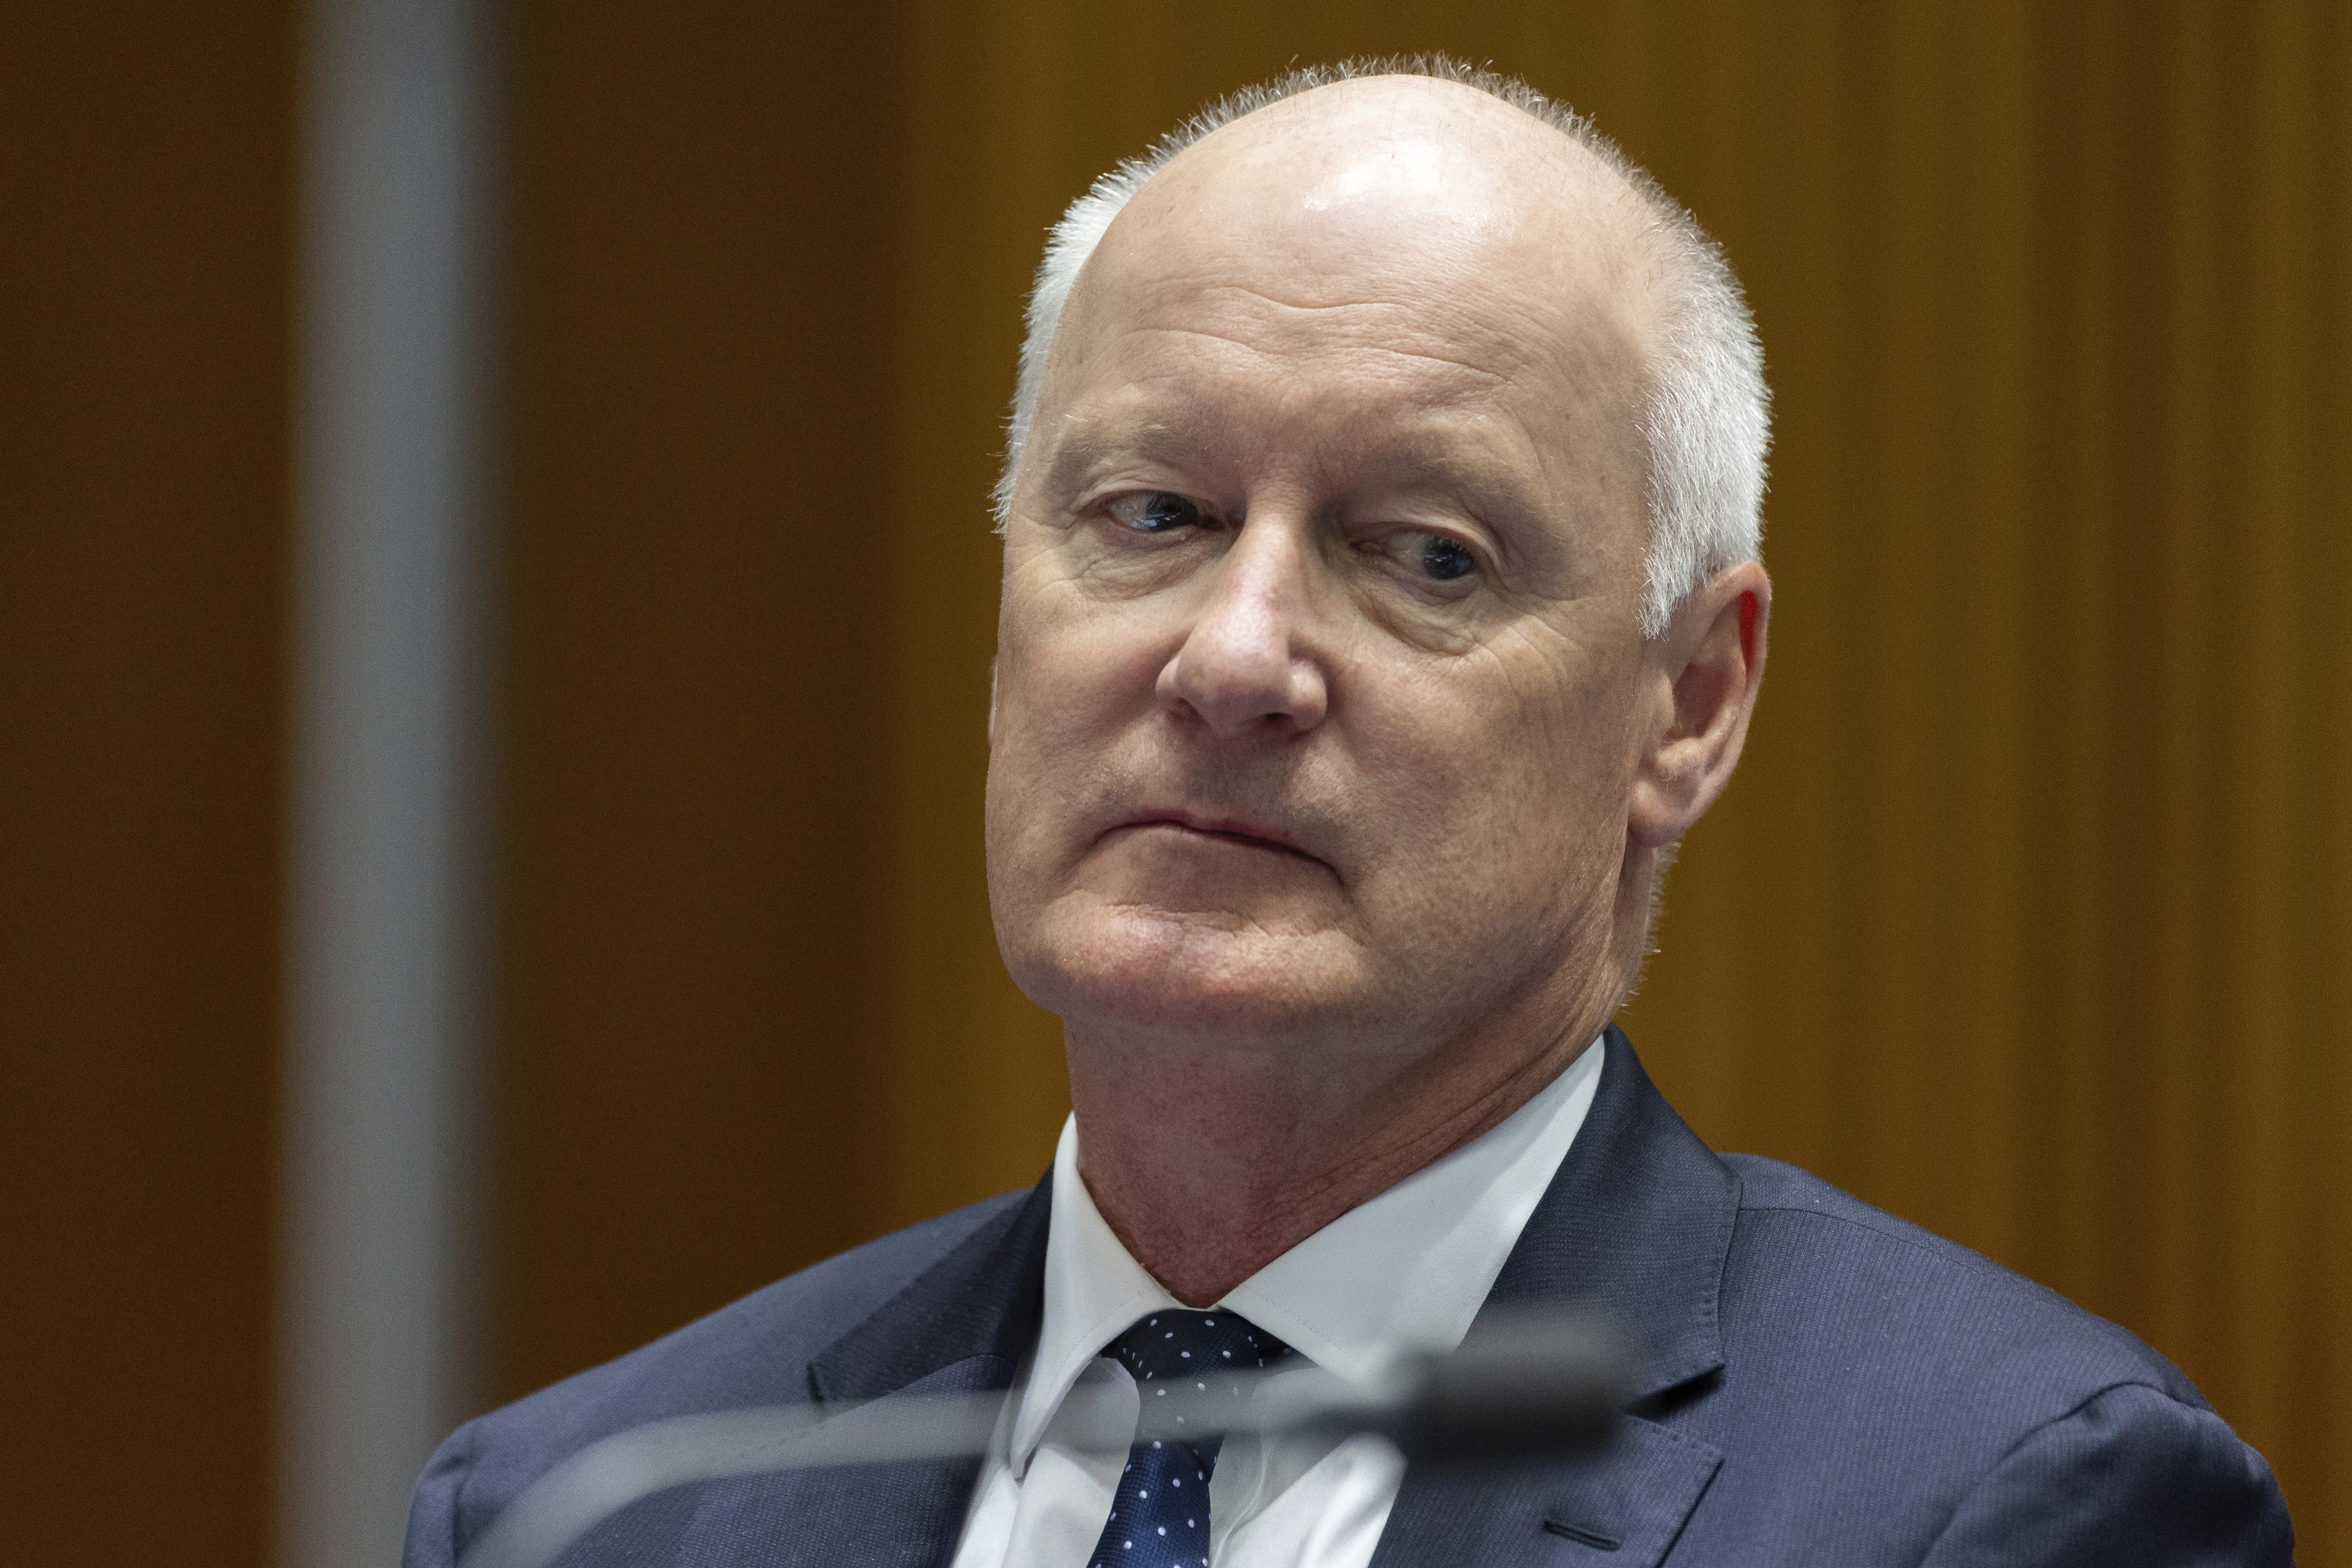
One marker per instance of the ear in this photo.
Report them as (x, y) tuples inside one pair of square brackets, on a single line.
[(1707, 668)]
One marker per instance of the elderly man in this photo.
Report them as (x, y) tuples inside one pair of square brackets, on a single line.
[(1381, 605)]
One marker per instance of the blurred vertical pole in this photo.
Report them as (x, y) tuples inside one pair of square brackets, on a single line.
[(378, 1319)]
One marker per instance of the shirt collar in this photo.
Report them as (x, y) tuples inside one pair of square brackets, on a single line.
[(1406, 1271)]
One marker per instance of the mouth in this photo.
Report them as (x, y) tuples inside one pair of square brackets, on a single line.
[(1232, 829)]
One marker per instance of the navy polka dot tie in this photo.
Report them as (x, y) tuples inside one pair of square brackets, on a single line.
[(1182, 1362)]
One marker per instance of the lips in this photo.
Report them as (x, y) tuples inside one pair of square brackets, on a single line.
[(1232, 830)]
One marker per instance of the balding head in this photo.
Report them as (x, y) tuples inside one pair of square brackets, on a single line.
[(1387, 225), (1374, 175), (1703, 426)]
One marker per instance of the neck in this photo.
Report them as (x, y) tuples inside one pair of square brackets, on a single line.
[(1210, 1159)]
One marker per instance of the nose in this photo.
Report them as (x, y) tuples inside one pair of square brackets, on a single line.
[(1245, 667)]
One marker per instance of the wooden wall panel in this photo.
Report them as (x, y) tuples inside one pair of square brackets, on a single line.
[(144, 178), (692, 713), (2027, 918)]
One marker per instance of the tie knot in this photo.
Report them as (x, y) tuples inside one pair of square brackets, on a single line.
[(1180, 1343), (1187, 1357)]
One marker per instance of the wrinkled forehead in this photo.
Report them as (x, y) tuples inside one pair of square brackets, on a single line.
[(1395, 236), (1399, 188)]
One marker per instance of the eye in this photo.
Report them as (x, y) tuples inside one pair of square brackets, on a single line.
[(1445, 560), (1155, 511)]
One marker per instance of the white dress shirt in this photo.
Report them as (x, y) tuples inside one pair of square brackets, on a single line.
[(1406, 1272)]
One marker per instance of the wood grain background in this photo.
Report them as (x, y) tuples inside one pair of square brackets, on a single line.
[(2029, 917)]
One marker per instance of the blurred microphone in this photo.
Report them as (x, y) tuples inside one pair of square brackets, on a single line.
[(1526, 1387)]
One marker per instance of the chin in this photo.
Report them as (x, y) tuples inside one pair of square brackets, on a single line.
[(1133, 967)]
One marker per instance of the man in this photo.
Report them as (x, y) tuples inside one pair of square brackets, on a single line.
[(1381, 605)]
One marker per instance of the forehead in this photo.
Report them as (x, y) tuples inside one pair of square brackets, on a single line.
[(1379, 252), (1395, 183)]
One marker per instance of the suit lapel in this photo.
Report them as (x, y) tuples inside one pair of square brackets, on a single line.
[(987, 1298), (1638, 1222), (961, 1327)]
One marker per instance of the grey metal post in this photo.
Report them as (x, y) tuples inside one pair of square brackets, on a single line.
[(377, 1326)]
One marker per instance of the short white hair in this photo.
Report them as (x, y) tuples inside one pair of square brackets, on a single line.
[(1707, 423)]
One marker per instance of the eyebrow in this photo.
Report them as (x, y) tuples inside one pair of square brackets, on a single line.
[(1424, 461), (1419, 457), (1094, 446)]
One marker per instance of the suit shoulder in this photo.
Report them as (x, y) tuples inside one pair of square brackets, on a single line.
[(1807, 1248), (2171, 1484), (754, 1350)]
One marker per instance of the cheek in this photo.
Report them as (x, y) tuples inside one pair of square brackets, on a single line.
[(1070, 682), (1501, 781), (1065, 676)]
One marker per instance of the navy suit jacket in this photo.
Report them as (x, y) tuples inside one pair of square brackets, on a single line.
[(1819, 1385)]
